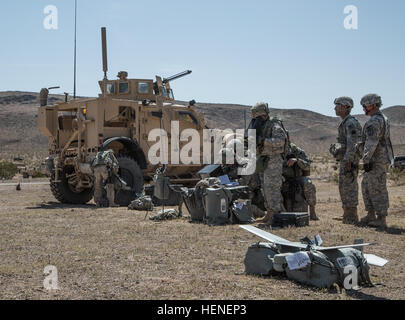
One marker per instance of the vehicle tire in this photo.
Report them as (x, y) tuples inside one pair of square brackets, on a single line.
[(64, 193), (131, 173)]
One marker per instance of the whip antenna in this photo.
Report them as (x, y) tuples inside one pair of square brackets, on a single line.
[(74, 72)]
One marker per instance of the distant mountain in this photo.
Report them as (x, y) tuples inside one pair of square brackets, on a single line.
[(312, 131)]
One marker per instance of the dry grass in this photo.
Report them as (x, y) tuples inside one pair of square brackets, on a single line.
[(117, 254)]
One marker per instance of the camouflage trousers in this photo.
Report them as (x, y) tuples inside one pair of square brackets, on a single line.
[(309, 190), (272, 180), (100, 175), (257, 212), (374, 190), (348, 187)]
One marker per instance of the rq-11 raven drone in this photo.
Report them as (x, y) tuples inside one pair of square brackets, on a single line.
[(310, 263)]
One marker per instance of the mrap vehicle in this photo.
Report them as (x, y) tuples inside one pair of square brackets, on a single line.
[(119, 119)]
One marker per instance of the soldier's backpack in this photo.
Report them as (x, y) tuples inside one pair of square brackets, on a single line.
[(241, 212), (259, 258), (328, 267), (216, 203), (141, 203), (192, 199)]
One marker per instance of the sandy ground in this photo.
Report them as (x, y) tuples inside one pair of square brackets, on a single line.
[(121, 254)]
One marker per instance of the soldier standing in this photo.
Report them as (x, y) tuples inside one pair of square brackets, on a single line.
[(345, 151), (377, 155), (122, 75), (272, 147), (295, 168), (105, 166)]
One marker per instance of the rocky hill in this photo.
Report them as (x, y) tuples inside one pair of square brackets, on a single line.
[(19, 134)]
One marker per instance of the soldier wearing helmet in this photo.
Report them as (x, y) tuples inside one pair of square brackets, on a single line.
[(104, 166), (231, 163), (377, 156), (122, 75), (272, 144), (345, 152)]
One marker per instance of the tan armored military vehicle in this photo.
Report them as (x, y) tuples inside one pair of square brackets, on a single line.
[(119, 119)]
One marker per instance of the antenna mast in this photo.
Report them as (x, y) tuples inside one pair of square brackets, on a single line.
[(74, 73)]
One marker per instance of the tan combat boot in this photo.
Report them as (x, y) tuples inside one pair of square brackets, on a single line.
[(369, 217), (381, 222), (312, 214), (267, 219), (350, 215)]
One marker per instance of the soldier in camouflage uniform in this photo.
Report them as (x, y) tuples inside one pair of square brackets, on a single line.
[(377, 156), (345, 152), (252, 181), (272, 147), (105, 166), (122, 75), (296, 165)]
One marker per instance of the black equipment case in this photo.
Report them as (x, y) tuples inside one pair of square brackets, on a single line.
[(285, 219)]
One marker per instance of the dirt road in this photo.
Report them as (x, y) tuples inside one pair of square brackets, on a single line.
[(118, 254)]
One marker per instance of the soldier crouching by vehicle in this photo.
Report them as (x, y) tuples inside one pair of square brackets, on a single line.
[(295, 170), (105, 167)]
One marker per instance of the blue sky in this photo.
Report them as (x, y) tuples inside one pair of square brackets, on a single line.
[(292, 53)]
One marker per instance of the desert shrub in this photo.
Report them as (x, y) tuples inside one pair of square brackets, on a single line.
[(7, 170), (38, 174)]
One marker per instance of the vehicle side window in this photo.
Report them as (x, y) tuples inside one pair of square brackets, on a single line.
[(188, 117), (143, 87), (124, 87), (110, 88)]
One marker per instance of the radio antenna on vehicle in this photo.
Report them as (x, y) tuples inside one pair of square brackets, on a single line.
[(74, 72)]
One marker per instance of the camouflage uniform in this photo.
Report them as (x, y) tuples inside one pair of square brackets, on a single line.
[(377, 156), (345, 151), (252, 181), (105, 165), (349, 136), (272, 147), (297, 173)]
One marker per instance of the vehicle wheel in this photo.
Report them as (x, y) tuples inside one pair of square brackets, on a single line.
[(131, 173), (65, 192)]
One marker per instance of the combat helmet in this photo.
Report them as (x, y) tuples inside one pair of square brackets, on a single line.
[(260, 109), (370, 99), (122, 74), (344, 101)]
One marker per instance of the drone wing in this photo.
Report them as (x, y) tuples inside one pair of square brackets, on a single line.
[(375, 260), (343, 246), (273, 238)]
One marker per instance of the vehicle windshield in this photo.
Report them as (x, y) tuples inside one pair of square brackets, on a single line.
[(143, 87), (110, 88), (124, 87), (171, 96)]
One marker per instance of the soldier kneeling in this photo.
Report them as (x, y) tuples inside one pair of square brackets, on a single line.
[(295, 170)]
